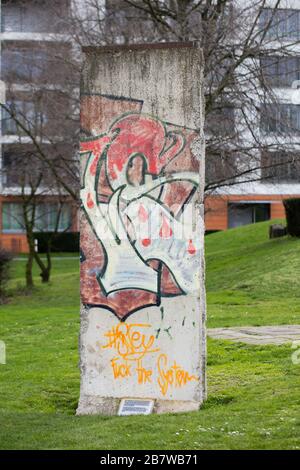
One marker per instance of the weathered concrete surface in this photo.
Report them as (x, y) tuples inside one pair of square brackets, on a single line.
[(258, 334), (142, 272)]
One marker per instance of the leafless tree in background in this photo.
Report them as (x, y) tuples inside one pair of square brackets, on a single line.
[(42, 170), (39, 120), (39, 200), (250, 136)]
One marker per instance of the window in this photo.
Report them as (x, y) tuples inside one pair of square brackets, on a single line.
[(220, 167), (12, 217), (13, 166), (36, 62), (27, 113), (32, 16), (247, 213), (11, 17), (280, 71), (280, 118), (218, 71), (280, 167), (221, 121), (285, 23), (20, 166), (46, 217), (19, 64), (123, 20)]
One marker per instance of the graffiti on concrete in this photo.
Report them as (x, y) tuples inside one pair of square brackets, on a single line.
[(139, 242), (132, 344)]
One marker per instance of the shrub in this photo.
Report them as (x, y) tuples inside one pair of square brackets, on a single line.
[(63, 241), (5, 259), (292, 211)]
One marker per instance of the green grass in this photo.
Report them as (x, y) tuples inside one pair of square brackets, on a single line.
[(253, 391), (252, 280)]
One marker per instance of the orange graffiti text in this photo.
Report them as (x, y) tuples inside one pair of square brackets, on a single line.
[(143, 375), (174, 376), (120, 370), (130, 343)]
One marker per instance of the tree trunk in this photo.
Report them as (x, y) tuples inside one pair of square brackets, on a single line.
[(45, 275), (45, 268), (28, 273)]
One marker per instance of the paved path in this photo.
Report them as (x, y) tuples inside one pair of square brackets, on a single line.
[(258, 334)]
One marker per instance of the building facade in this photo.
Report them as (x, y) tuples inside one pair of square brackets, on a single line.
[(37, 121), (278, 127)]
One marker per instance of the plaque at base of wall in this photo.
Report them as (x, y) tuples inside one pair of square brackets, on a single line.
[(133, 406)]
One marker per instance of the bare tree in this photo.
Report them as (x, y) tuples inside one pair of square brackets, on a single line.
[(241, 41), (39, 119), (39, 202)]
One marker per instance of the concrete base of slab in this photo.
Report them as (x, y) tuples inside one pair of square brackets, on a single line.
[(109, 406)]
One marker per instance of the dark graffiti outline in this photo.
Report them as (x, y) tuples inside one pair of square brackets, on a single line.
[(102, 165)]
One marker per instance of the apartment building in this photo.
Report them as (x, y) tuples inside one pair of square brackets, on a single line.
[(278, 125), (33, 43), (37, 91)]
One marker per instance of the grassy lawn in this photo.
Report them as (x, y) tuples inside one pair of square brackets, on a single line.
[(253, 391), (252, 280)]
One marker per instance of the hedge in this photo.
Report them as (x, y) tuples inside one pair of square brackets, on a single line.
[(61, 242), (5, 259), (292, 211)]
